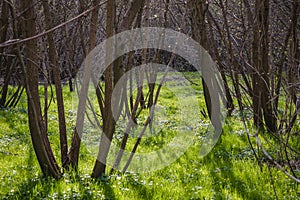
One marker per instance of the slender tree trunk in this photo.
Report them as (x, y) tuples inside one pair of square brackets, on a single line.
[(3, 24), (108, 119), (263, 66), (256, 83), (198, 11), (294, 55), (118, 69), (56, 75), (112, 75), (3, 34), (39, 136), (76, 140), (4, 92)]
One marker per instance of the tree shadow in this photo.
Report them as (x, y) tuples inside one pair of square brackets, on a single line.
[(224, 178), (27, 188), (33, 186), (141, 190), (87, 193)]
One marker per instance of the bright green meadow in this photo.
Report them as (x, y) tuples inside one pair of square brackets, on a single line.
[(229, 171)]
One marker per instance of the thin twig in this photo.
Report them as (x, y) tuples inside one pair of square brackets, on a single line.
[(20, 41)]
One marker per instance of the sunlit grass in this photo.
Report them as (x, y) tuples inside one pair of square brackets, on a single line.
[(229, 171)]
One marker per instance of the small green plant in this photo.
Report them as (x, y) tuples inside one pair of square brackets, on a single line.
[(230, 171)]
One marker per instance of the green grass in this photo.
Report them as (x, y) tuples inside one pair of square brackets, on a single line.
[(229, 171)]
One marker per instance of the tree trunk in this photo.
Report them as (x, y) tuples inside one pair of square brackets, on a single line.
[(294, 55), (3, 34), (199, 33), (112, 75), (3, 24), (56, 75), (108, 119), (76, 140), (256, 98), (263, 68), (39, 136), (8, 73)]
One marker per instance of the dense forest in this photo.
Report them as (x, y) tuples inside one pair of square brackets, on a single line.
[(116, 62)]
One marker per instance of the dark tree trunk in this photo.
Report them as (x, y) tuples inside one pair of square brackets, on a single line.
[(76, 140), (198, 11), (39, 136), (108, 119), (264, 67), (112, 77), (56, 75)]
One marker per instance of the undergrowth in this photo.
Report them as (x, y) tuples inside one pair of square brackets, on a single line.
[(229, 171)]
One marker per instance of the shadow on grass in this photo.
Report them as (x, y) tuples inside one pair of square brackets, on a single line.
[(71, 186), (28, 187), (95, 188), (141, 190), (224, 178)]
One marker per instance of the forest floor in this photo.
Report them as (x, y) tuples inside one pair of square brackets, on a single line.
[(229, 171)]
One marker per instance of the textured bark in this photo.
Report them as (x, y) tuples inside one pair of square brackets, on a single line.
[(126, 24), (112, 75), (262, 103), (138, 100), (294, 55), (3, 34), (73, 155), (3, 23), (39, 136), (256, 98), (108, 119), (198, 11), (58, 87)]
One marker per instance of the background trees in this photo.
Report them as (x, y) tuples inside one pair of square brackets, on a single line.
[(254, 42)]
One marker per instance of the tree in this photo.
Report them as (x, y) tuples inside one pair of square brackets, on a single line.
[(39, 136), (58, 87), (112, 75), (254, 42)]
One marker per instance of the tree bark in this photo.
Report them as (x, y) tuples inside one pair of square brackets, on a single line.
[(108, 119), (76, 140), (262, 99), (3, 34), (39, 136), (56, 75), (294, 55), (199, 33), (113, 73)]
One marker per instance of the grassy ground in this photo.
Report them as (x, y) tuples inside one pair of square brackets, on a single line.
[(229, 171)]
